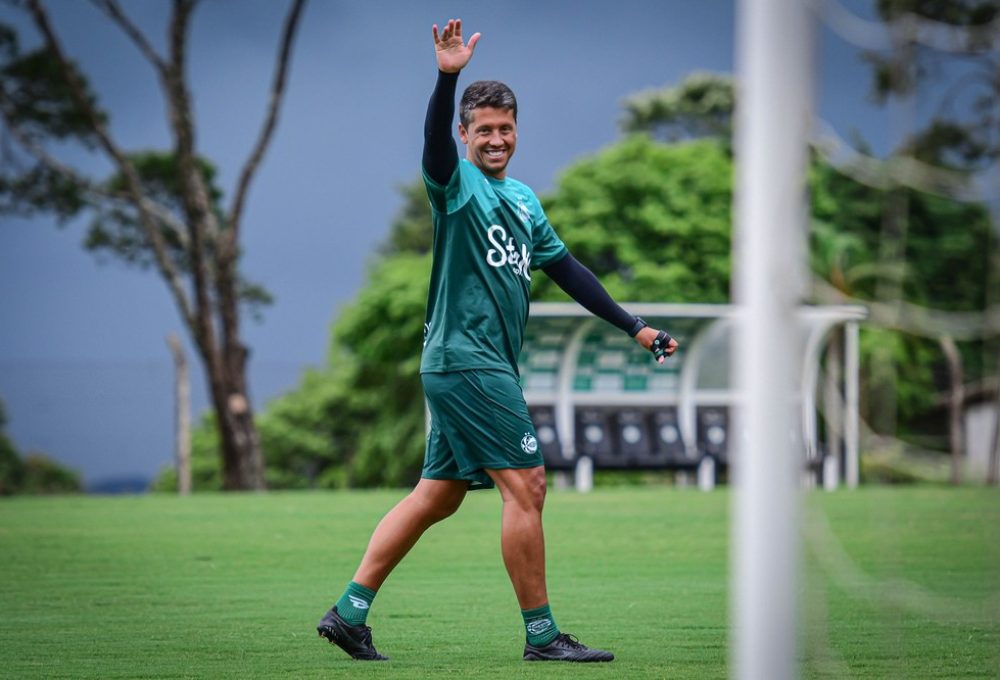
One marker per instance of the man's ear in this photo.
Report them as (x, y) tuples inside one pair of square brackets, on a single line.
[(463, 134)]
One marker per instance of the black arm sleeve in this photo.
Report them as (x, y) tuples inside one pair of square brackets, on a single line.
[(440, 151), (581, 285)]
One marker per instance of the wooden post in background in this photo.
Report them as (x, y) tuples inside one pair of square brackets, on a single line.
[(182, 436)]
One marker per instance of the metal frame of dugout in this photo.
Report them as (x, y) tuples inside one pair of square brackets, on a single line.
[(599, 401)]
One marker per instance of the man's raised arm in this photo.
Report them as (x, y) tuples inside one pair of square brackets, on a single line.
[(581, 285), (440, 152)]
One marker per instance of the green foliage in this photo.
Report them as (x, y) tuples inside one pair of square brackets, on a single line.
[(948, 243), (700, 106), (651, 220), (299, 433), (945, 265), (11, 468), (901, 369), (42, 475), (35, 473), (116, 229), (411, 231), (35, 94), (376, 354), (41, 190)]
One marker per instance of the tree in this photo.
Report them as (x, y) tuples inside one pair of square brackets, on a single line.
[(158, 209), (928, 39), (700, 106), (652, 220), (964, 131), (943, 263)]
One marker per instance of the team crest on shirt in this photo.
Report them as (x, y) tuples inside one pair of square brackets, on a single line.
[(507, 253), (522, 210), (529, 444)]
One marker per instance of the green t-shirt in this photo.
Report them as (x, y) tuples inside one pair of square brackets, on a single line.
[(488, 236)]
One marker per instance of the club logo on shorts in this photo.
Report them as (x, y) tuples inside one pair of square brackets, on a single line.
[(528, 443), (539, 626)]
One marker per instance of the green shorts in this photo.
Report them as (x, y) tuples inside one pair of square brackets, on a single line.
[(479, 422)]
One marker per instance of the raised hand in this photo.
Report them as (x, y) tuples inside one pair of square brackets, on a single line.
[(452, 54)]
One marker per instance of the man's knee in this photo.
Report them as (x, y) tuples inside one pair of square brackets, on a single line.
[(438, 500), (537, 487), (526, 488)]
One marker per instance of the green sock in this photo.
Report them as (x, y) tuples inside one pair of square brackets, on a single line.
[(540, 625), (354, 604)]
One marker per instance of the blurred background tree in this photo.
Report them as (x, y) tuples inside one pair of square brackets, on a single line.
[(157, 209)]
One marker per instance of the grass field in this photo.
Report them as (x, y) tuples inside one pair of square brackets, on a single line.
[(900, 583)]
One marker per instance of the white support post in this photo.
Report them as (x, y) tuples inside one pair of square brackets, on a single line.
[(706, 474), (831, 472), (584, 474), (774, 64), (852, 363), (564, 409)]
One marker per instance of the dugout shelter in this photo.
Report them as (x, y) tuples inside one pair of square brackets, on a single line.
[(599, 401)]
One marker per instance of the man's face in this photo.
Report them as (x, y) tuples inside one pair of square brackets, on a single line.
[(491, 139)]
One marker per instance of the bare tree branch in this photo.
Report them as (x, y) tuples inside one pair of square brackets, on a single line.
[(267, 131), (200, 219), (113, 10), (70, 174), (132, 181)]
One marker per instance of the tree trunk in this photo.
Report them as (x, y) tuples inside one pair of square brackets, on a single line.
[(242, 458), (182, 437), (956, 400)]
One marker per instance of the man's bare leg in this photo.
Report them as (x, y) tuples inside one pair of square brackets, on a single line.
[(521, 538), (431, 501), (523, 545)]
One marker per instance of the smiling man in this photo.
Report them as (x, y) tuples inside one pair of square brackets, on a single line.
[(490, 232)]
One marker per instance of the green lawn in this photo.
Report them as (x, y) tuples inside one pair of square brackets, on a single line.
[(900, 583)]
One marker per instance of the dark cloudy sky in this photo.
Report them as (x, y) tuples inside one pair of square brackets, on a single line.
[(84, 368)]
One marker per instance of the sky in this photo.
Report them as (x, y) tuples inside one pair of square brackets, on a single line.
[(85, 372)]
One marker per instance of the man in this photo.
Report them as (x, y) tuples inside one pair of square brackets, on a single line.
[(489, 232)]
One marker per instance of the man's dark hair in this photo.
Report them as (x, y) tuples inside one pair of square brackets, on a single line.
[(483, 93)]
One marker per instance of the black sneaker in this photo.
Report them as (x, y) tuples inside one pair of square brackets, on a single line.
[(355, 640), (565, 648)]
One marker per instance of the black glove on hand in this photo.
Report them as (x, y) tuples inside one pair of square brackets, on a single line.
[(660, 344)]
